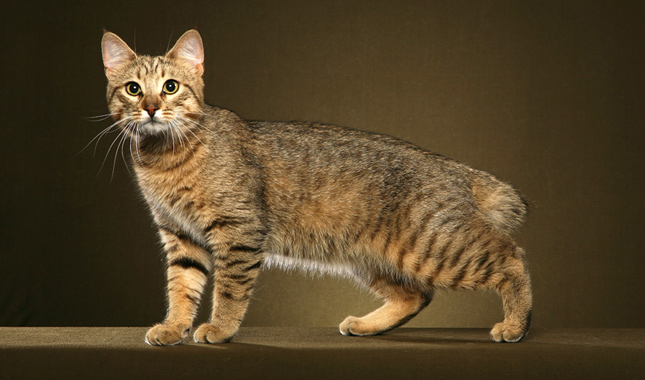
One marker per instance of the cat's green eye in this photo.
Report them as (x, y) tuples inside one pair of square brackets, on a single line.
[(170, 87), (133, 89)]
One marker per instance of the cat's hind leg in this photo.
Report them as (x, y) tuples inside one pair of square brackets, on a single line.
[(400, 306), (515, 290)]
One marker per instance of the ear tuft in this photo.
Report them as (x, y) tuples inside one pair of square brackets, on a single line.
[(190, 49), (116, 53)]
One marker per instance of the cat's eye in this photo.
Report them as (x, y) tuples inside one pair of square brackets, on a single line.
[(170, 87), (133, 89)]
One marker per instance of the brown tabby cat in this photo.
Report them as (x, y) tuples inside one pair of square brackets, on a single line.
[(230, 195)]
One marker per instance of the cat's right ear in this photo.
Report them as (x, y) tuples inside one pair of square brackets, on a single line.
[(116, 53)]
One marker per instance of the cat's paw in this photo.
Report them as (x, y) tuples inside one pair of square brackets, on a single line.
[(165, 335), (357, 326), (208, 333), (510, 332)]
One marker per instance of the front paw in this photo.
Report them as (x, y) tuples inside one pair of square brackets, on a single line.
[(208, 333), (165, 335), (508, 332)]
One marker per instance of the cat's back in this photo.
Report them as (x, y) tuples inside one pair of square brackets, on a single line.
[(314, 149), (335, 147), (369, 170)]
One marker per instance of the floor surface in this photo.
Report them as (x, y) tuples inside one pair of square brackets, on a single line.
[(322, 353)]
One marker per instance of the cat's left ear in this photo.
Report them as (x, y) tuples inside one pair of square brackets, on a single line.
[(116, 53), (190, 49)]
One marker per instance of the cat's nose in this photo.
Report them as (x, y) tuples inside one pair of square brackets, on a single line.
[(151, 110)]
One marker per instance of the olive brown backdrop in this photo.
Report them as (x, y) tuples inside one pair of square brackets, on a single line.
[(548, 95)]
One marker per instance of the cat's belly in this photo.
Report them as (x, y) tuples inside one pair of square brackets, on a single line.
[(273, 260)]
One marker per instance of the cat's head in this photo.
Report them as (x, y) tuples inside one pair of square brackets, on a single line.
[(153, 95)]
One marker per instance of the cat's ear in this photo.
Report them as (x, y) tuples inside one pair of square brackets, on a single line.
[(115, 53), (190, 49)]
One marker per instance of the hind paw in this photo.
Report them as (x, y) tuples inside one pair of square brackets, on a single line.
[(358, 327), (510, 332)]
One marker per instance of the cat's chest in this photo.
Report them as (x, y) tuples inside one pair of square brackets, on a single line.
[(175, 198)]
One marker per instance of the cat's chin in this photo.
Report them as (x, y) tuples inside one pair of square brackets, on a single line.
[(153, 129), (154, 135)]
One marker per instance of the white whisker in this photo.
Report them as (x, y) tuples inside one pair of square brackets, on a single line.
[(173, 125), (195, 124), (130, 146), (172, 138), (123, 131), (116, 152), (138, 148), (177, 124), (123, 148), (101, 134), (98, 118)]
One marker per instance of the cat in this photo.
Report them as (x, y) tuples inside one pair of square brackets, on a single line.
[(230, 196)]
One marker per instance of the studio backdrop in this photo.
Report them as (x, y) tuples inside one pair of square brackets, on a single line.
[(547, 95)]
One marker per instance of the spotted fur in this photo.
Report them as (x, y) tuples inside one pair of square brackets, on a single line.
[(230, 195)]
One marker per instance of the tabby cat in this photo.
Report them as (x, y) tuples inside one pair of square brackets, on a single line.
[(230, 196)]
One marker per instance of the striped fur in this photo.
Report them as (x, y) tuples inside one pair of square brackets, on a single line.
[(230, 195)]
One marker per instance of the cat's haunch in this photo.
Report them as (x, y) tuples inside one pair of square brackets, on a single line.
[(229, 196)]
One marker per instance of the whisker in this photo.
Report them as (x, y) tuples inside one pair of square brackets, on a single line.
[(123, 131), (170, 39), (99, 117), (116, 152), (177, 124), (172, 138), (197, 125), (173, 125), (101, 134), (130, 146), (171, 128), (138, 148), (123, 148)]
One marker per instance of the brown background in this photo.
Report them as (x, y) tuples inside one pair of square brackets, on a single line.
[(545, 94)]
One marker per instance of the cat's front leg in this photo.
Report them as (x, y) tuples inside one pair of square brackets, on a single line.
[(187, 274), (235, 275)]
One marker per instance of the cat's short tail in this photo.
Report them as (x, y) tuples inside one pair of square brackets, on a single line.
[(500, 204)]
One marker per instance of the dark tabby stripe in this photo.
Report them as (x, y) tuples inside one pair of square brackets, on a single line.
[(184, 237), (186, 85), (181, 163), (235, 263), (420, 228), (227, 295), (180, 193), (402, 254), (460, 275), (235, 276), (427, 252), (231, 297), (487, 273), (254, 266), (464, 248), (222, 222), (192, 299), (482, 260), (439, 268), (187, 262), (245, 248)]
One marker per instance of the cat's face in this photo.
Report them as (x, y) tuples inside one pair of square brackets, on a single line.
[(154, 95)]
